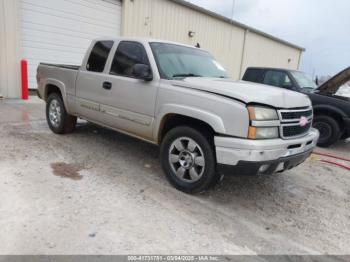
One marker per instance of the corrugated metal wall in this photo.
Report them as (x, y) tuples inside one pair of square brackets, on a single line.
[(9, 48), (262, 51), (61, 31), (234, 47)]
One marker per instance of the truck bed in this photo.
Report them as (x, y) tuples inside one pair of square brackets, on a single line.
[(63, 76), (72, 67)]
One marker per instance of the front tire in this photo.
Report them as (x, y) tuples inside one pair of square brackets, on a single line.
[(329, 128), (188, 159), (59, 121)]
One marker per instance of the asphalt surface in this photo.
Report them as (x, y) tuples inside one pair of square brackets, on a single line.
[(100, 192)]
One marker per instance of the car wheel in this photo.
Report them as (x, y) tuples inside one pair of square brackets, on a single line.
[(188, 159), (329, 130), (59, 121)]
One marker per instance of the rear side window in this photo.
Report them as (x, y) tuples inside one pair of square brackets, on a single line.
[(278, 78), (98, 56), (254, 75), (127, 55)]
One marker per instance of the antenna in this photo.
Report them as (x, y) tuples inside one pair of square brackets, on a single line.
[(233, 8)]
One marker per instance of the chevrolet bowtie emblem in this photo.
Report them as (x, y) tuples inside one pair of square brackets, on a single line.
[(303, 121)]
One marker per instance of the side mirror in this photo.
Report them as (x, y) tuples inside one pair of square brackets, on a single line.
[(142, 71), (288, 86)]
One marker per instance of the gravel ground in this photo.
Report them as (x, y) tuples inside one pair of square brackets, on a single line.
[(100, 192)]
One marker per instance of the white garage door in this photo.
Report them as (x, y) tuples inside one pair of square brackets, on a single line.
[(60, 31)]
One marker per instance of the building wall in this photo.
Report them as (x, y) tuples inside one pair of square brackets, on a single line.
[(265, 52), (9, 48), (234, 47)]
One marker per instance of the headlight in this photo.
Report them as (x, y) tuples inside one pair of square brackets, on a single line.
[(264, 123), (263, 132), (262, 113)]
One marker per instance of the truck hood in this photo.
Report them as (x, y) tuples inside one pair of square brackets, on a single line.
[(332, 85), (247, 92)]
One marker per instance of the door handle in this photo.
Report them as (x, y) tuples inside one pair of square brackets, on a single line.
[(107, 85)]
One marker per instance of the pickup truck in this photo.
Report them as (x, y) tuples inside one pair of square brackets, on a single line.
[(332, 112), (179, 97)]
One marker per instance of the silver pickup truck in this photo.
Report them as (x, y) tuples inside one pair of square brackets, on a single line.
[(179, 97)]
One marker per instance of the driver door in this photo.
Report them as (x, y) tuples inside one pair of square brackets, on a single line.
[(129, 101)]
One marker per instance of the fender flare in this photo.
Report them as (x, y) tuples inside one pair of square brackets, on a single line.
[(211, 119), (329, 108), (60, 85)]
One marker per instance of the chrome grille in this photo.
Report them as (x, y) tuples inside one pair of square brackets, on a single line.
[(296, 115), (292, 120)]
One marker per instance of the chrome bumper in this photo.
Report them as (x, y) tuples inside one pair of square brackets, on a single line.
[(230, 151)]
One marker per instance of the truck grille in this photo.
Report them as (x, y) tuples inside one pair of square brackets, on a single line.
[(293, 131), (296, 115), (295, 123)]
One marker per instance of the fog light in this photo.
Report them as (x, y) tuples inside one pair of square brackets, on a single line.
[(263, 168)]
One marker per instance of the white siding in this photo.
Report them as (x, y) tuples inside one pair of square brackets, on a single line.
[(264, 52), (60, 31), (169, 20), (9, 48)]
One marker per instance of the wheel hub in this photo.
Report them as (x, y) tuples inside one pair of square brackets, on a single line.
[(55, 113), (186, 159)]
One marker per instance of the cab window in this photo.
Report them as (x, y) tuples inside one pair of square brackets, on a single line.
[(127, 55), (278, 78), (254, 75), (98, 56)]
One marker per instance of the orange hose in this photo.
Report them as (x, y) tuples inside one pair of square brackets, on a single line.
[(335, 157), (336, 164)]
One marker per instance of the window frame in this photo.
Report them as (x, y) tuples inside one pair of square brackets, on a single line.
[(106, 62), (115, 52)]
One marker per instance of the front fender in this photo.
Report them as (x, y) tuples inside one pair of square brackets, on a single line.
[(329, 109), (211, 119)]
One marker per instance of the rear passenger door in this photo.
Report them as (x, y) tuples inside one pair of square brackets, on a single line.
[(89, 85)]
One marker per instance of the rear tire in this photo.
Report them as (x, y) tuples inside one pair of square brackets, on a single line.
[(188, 160), (59, 121), (329, 128)]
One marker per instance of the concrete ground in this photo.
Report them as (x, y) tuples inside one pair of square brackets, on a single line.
[(119, 202)]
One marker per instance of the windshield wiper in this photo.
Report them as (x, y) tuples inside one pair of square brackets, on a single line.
[(186, 75), (309, 88)]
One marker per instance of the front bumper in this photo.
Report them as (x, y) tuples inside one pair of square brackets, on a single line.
[(243, 156)]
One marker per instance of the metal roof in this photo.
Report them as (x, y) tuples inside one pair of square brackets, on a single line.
[(233, 22)]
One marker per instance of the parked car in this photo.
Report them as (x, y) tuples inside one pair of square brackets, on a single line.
[(179, 97), (332, 112)]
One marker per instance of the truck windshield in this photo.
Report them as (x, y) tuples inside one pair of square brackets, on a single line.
[(176, 61), (304, 81)]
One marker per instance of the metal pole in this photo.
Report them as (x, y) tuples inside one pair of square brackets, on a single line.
[(233, 8)]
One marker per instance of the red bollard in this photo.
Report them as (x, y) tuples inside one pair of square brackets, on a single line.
[(24, 77)]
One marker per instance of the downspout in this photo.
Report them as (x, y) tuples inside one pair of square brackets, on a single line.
[(243, 53), (299, 61)]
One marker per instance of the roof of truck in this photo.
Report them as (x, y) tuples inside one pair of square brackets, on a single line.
[(272, 68), (140, 39)]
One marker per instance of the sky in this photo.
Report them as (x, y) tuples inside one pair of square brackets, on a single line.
[(320, 26)]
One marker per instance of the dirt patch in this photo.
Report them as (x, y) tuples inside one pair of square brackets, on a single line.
[(67, 170)]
